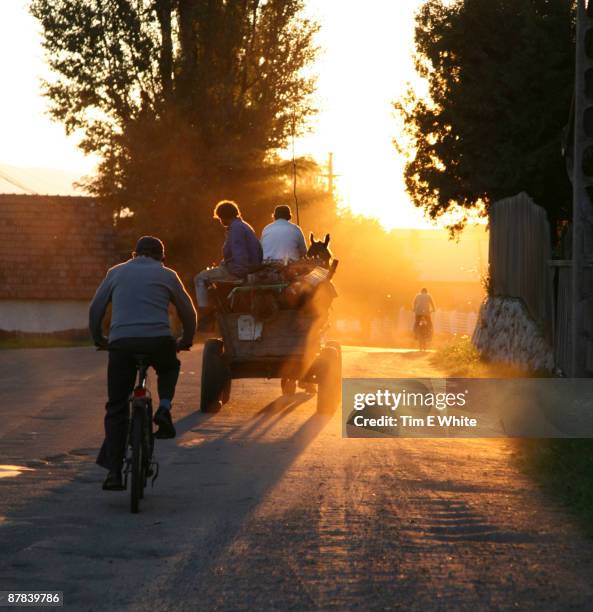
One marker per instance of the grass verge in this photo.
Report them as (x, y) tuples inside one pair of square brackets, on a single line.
[(563, 468), (460, 359), (9, 340)]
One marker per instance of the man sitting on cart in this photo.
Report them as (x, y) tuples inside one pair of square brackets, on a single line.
[(283, 240), (242, 254)]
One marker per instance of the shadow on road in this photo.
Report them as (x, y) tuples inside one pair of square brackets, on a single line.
[(212, 478)]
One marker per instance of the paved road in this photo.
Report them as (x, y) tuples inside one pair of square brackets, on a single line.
[(265, 506)]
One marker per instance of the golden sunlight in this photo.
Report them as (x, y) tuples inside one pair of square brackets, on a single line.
[(365, 64)]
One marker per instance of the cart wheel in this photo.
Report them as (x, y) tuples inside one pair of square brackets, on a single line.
[(329, 380), (288, 386), (226, 389), (338, 348), (215, 385)]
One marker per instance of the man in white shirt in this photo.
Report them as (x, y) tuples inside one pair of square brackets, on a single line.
[(283, 240), (423, 307), (423, 304)]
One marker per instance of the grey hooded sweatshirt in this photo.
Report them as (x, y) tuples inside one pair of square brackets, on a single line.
[(140, 291)]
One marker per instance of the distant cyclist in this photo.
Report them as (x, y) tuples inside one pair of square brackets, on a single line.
[(423, 308), (140, 291)]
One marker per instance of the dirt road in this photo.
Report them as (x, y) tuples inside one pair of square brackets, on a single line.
[(265, 506)]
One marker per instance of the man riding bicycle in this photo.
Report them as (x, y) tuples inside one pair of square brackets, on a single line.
[(140, 291), (423, 307)]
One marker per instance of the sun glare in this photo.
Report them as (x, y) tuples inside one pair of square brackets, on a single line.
[(365, 64)]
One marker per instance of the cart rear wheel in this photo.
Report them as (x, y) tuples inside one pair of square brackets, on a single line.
[(215, 385), (226, 389), (329, 380), (338, 348), (288, 386)]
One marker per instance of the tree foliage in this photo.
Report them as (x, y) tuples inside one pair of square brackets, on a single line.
[(500, 78), (185, 101)]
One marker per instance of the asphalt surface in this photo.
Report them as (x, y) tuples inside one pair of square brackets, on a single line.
[(265, 507)]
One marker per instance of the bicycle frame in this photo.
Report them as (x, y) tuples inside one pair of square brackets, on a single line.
[(140, 403)]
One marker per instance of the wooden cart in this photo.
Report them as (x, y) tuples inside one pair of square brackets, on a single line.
[(286, 343)]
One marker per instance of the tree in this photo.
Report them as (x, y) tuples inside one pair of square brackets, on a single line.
[(185, 101), (500, 78)]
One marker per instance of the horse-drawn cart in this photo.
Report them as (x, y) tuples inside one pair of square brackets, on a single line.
[(268, 333)]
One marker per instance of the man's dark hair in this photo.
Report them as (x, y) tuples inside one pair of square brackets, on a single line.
[(150, 246), (283, 212), (424, 290), (226, 209)]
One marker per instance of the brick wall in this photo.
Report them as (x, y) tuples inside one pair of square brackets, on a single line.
[(53, 247)]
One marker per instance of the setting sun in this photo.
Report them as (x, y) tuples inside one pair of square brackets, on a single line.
[(365, 64)]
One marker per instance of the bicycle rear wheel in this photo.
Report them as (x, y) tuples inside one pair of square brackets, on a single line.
[(138, 477)]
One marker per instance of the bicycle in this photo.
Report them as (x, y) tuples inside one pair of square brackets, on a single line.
[(139, 464), (423, 331)]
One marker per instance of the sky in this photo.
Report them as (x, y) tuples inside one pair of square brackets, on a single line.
[(364, 65), (28, 138)]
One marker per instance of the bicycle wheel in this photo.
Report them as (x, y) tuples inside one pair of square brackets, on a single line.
[(137, 488)]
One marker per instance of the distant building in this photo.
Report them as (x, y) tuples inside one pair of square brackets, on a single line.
[(54, 251)]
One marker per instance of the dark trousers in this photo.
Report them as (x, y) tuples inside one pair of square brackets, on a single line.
[(121, 378)]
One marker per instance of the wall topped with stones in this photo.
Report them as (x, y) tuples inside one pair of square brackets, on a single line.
[(53, 247)]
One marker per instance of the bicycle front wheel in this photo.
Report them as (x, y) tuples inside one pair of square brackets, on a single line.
[(137, 487)]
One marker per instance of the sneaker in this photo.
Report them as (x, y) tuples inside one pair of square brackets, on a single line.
[(113, 481), (163, 419)]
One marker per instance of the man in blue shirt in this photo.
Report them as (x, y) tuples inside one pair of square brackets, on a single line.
[(241, 254)]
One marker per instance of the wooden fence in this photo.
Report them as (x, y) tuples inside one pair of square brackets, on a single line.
[(521, 266), (519, 256)]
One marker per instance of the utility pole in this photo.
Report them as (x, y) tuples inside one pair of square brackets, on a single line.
[(582, 209), (330, 176)]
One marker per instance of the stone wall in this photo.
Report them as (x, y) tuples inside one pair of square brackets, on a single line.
[(507, 333)]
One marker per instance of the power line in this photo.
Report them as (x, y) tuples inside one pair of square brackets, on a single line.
[(16, 183)]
